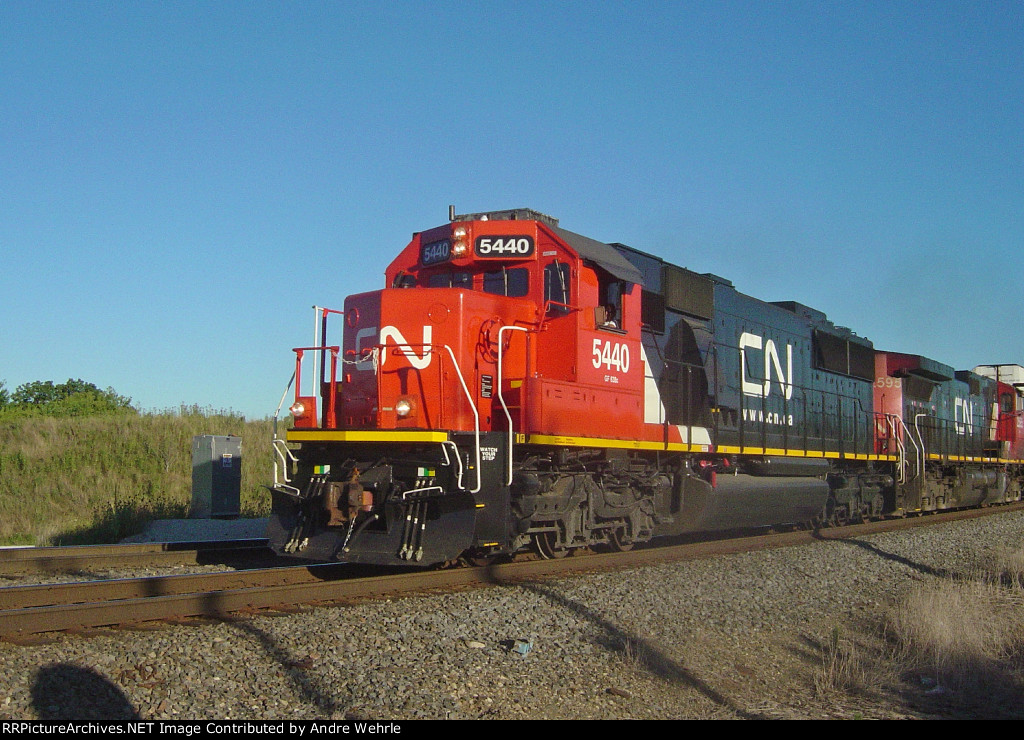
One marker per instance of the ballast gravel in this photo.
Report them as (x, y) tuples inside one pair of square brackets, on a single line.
[(742, 636)]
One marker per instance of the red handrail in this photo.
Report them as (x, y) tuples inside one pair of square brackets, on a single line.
[(331, 421)]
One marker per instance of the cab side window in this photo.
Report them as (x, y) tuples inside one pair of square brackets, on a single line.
[(556, 288), (609, 310), (1006, 403)]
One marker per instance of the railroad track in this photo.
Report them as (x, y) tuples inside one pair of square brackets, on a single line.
[(21, 561), (35, 609)]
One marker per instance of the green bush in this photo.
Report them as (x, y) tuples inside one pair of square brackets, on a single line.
[(73, 398)]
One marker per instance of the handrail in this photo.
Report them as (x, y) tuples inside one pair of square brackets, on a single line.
[(320, 338), (277, 444), (476, 418), (924, 451), (501, 395), (331, 420), (281, 449), (545, 317), (919, 450), (465, 389), (281, 403), (901, 475), (448, 462)]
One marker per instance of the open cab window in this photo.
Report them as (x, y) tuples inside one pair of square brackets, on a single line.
[(556, 288), (608, 314)]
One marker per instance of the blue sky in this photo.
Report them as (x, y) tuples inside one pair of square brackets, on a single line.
[(180, 182)]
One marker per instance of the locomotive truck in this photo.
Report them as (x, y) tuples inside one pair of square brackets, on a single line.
[(517, 386)]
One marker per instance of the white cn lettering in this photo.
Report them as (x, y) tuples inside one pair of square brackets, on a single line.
[(420, 363), (772, 362), (748, 340), (963, 416)]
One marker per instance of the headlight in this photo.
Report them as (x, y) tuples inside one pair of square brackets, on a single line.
[(297, 409), (404, 407)]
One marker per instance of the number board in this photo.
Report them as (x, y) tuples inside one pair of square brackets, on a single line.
[(435, 252), (513, 246)]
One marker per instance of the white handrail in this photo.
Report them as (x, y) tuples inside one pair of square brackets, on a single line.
[(919, 451), (476, 418), (280, 448), (458, 460), (501, 396), (316, 343), (901, 474), (281, 402), (275, 442)]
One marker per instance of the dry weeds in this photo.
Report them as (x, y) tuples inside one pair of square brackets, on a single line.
[(843, 669), (959, 643), (948, 648)]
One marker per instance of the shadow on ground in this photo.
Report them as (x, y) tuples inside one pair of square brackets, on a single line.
[(63, 691)]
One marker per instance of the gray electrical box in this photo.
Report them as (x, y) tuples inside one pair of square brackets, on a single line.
[(216, 477)]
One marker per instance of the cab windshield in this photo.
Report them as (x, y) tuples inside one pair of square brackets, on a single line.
[(512, 282)]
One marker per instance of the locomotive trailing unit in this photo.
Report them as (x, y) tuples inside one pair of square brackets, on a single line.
[(520, 386)]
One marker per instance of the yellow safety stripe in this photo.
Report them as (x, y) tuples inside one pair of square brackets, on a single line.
[(324, 435), (780, 452), (621, 444), (959, 458), (728, 450)]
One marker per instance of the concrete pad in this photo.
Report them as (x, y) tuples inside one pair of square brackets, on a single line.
[(197, 530)]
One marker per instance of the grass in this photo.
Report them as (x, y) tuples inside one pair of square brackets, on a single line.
[(96, 479), (952, 647), (843, 669), (962, 641), (955, 633)]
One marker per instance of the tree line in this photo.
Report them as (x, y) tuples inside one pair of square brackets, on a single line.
[(73, 398)]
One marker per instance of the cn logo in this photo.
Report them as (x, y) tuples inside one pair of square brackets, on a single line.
[(772, 363), (420, 363), (963, 417)]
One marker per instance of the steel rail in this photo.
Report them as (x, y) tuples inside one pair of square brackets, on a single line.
[(221, 594), (215, 602), (124, 589), (24, 560)]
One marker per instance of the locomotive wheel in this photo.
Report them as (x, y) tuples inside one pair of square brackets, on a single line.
[(479, 559), (546, 544), (617, 541), (827, 516)]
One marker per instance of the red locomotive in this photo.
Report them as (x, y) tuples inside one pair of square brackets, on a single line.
[(521, 386)]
